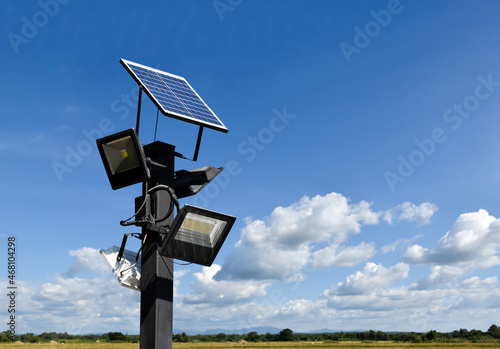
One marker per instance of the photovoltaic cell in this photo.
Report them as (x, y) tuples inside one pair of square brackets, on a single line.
[(174, 96)]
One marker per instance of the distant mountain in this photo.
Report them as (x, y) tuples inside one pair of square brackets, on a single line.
[(259, 330), (324, 330)]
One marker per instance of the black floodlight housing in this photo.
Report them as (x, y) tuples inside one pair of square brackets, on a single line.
[(197, 235), (187, 183), (123, 158)]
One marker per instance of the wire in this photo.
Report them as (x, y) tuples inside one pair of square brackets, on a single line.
[(171, 259), (188, 263), (124, 270), (124, 222), (173, 201), (150, 219)]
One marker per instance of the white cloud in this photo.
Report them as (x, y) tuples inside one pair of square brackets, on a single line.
[(79, 305), (322, 218), (389, 300), (342, 256), (280, 246), (381, 307), (440, 275), (89, 299), (372, 277), (265, 262), (472, 243), (207, 290), (407, 211), (311, 232), (398, 244), (178, 274), (87, 260), (369, 295), (373, 297)]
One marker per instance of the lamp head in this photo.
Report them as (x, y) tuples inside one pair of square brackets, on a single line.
[(187, 183), (197, 235), (123, 158), (127, 271)]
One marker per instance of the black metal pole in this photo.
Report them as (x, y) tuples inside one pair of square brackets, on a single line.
[(138, 121), (157, 272), (198, 142)]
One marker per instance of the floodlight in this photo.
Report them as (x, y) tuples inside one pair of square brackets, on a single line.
[(123, 158), (187, 183), (197, 235), (127, 271)]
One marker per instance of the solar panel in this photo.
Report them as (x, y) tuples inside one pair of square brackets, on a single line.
[(174, 96)]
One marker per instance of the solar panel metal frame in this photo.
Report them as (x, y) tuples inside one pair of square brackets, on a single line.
[(189, 118)]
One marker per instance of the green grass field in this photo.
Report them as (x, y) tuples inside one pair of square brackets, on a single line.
[(272, 345)]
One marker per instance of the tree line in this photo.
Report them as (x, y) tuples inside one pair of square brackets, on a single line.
[(285, 335)]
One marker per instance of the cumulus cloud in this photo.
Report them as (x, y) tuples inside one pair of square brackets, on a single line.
[(311, 232), (342, 256), (385, 306), (373, 297), (398, 244), (75, 304), (439, 275), (310, 235), (367, 299), (278, 247), (473, 242), (390, 300), (372, 277), (87, 260), (207, 290), (478, 293), (178, 274), (371, 294), (407, 211), (321, 218)]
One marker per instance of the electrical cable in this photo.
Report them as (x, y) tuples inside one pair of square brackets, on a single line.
[(125, 222), (150, 219), (188, 263), (133, 265), (158, 249), (173, 201)]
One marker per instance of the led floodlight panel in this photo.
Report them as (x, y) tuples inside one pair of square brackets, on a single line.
[(123, 158), (198, 235), (174, 96)]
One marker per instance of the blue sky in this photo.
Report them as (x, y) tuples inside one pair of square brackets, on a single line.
[(363, 138)]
